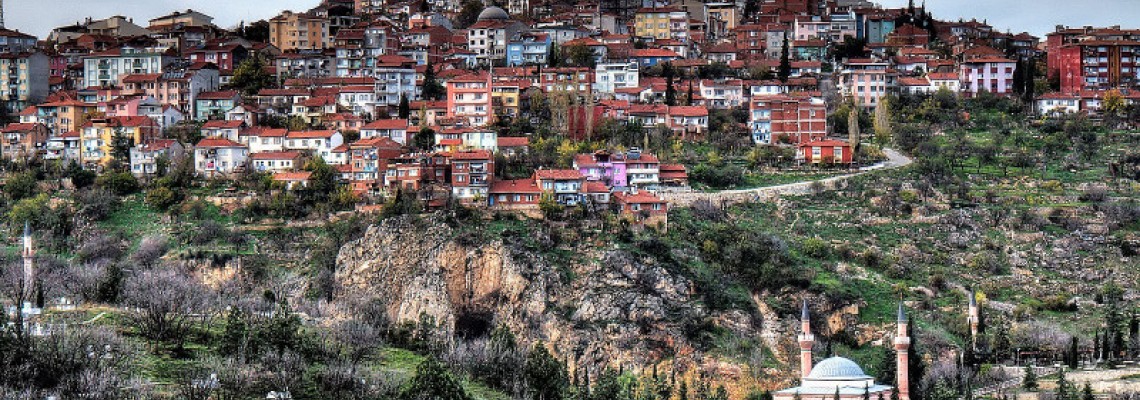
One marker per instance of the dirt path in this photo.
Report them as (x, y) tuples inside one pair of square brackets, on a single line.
[(730, 197)]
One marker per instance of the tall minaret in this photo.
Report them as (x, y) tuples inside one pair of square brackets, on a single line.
[(972, 314), (29, 254), (806, 341), (902, 346)]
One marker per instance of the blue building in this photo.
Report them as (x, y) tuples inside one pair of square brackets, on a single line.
[(528, 48)]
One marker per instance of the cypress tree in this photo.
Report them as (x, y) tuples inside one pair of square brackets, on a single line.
[(670, 90), (785, 61), (405, 109), (1086, 393), (1073, 356)]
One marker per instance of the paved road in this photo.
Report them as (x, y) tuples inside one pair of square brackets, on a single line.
[(730, 197)]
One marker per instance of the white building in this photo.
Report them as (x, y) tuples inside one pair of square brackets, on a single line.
[(611, 76), (219, 157), (320, 143), (107, 68), (994, 75)]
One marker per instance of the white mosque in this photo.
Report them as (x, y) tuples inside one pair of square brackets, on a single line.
[(843, 376)]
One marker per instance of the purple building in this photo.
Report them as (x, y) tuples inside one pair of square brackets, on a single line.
[(603, 166)]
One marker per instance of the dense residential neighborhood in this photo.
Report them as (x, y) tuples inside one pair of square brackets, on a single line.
[(569, 200), (455, 81)]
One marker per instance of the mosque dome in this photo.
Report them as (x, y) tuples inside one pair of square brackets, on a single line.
[(837, 368), (493, 13)]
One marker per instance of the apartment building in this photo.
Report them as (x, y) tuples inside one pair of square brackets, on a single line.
[(292, 31)]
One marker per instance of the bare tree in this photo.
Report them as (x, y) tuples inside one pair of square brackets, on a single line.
[(165, 303), (151, 248), (358, 340), (286, 368)]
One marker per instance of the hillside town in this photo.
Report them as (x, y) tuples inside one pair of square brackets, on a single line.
[(427, 96), (570, 199)]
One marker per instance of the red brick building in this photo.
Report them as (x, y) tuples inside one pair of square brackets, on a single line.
[(825, 152), (780, 118)]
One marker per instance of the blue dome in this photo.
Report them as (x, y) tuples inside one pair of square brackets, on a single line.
[(837, 368)]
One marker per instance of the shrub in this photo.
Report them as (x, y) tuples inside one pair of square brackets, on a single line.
[(21, 185), (121, 183), (161, 198), (100, 247), (96, 204), (1052, 186), (816, 248), (150, 249)]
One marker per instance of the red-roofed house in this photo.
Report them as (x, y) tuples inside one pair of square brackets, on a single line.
[(512, 146), (144, 157), (568, 186), (23, 140), (641, 205), (515, 194), (223, 128), (293, 180), (689, 122), (395, 129), (824, 152), (276, 161), (471, 174), (99, 134), (368, 162), (219, 157), (320, 143), (674, 175)]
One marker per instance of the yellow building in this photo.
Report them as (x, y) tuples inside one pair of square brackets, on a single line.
[(98, 137), (506, 96), (59, 116), (662, 23), (299, 31)]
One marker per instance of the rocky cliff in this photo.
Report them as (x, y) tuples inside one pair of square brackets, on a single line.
[(607, 307)]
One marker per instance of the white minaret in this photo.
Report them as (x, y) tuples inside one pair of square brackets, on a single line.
[(29, 253), (972, 315)]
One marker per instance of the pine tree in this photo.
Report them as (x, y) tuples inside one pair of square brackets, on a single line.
[(1029, 381), (434, 382), (1087, 393), (1064, 390), (544, 375), (683, 390), (916, 367)]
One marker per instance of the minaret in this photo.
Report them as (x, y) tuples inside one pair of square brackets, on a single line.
[(806, 341), (902, 346), (29, 253), (972, 314)]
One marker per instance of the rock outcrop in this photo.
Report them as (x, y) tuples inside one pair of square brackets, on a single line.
[(607, 307)]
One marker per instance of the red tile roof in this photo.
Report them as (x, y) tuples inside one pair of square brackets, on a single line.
[(515, 186), (325, 134), (223, 95), (276, 155), (472, 155), (264, 131), (558, 174), (450, 142), (223, 124), (825, 143), (218, 142), (387, 124), (641, 197), (292, 176), (509, 141)]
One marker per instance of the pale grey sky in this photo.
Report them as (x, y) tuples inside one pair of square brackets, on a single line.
[(38, 17)]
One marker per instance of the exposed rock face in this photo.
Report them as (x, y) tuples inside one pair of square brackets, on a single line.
[(608, 307)]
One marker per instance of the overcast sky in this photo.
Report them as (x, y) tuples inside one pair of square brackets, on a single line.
[(38, 17)]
